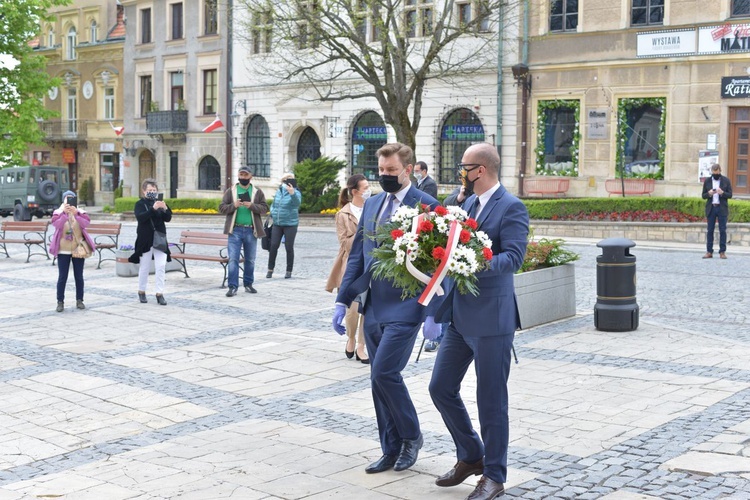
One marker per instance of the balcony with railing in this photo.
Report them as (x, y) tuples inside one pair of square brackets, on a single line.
[(64, 130), (167, 123)]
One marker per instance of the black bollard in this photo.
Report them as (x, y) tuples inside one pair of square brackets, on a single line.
[(616, 309)]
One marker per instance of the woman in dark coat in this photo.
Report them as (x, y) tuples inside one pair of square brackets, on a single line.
[(151, 215)]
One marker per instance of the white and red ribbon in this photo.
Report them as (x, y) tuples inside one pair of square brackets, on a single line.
[(433, 283)]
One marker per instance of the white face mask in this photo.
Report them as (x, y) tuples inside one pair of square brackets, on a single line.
[(366, 194), (418, 176)]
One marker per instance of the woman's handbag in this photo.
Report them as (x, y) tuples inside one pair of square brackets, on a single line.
[(81, 250), (265, 241), (160, 240)]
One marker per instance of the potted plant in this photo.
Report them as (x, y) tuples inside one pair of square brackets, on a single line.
[(545, 285)]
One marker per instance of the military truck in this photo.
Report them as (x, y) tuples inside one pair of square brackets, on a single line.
[(32, 191)]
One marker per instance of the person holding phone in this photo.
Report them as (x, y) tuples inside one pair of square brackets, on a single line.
[(244, 205), (152, 215), (285, 215), (70, 224)]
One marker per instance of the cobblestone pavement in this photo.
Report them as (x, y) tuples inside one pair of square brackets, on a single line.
[(251, 397)]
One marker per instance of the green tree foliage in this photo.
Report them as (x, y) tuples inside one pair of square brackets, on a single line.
[(23, 79), (317, 181)]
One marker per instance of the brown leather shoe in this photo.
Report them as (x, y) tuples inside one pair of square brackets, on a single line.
[(486, 489), (722, 255), (460, 472), (708, 255)]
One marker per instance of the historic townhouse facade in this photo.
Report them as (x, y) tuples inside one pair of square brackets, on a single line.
[(83, 47), (280, 125), (175, 83), (649, 89)]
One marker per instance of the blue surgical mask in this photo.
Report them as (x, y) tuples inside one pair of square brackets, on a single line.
[(151, 195)]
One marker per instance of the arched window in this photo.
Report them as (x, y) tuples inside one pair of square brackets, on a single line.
[(72, 41), (93, 32), (258, 147), (368, 135), (209, 174), (308, 145), (461, 129)]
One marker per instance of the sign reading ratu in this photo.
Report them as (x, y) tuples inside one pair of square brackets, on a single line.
[(734, 87)]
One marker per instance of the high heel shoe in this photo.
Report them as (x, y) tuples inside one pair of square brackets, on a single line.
[(349, 354), (365, 361)]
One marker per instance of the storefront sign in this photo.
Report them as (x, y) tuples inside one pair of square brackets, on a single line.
[(370, 134), (596, 118), (724, 39), (69, 155), (706, 158), (735, 87), (107, 147), (463, 132), (665, 43)]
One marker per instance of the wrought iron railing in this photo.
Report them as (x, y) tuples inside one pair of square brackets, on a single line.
[(64, 130), (167, 122)]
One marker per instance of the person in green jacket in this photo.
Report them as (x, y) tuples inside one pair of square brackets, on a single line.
[(285, 215)]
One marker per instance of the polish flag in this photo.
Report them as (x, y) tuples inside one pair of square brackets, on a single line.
[(118, 130), (214, 125)]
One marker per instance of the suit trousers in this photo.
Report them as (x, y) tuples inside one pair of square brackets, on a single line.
[(389, 346), (491, 356), (713, 214)]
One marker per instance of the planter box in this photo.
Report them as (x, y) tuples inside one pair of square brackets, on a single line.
[(126, 269), (546, 294)]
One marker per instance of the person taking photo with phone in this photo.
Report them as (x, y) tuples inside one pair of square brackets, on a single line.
[(70, 244), (285, 215), (151, 213)]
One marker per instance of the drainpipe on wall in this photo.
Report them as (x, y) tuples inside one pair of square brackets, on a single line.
[(524, 99), (499, 110), (228, 116)]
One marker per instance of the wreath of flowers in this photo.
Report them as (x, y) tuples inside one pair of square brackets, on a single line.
[(444, 242)]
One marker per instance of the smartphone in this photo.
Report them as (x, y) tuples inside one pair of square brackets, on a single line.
[(73, 201), (292, 182), (244, 196), (160, 197)]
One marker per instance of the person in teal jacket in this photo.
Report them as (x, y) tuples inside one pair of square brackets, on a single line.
[(285, 215)]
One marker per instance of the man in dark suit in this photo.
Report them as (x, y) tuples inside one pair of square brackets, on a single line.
[(424, 181), (481, 330), (717, 190), (391, 324)]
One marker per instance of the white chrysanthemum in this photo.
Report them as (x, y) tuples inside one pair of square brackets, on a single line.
[(455, 211), (404, 214), (485, 240), (412, 245), (413, 255), (442, 225), (400, 256), (398, 242)]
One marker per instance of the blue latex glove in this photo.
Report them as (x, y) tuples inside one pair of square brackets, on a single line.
[(338, 319), (430, 330)]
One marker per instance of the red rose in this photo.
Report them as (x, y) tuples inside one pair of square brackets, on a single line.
[(426, 226), (396, 233), (487, 252), (471, 223), (438, 252), (465, 236), (440, 210)]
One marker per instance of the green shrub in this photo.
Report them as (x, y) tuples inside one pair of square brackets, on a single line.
[(106, 208), (317, 181), (118, 191), (739, 210), (127, 204)]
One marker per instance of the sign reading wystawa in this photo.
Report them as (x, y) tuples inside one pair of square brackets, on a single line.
[(666, 43), (735, 87)]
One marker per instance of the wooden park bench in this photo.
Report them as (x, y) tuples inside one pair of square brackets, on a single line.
[(633, 186), (201, 238), (106, 236), (546, 185), (34, 236)]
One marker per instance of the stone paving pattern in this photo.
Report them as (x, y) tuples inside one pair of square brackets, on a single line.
[(251, 397)]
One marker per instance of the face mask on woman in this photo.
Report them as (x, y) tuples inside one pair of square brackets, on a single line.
[(366, 194), (151, 195)]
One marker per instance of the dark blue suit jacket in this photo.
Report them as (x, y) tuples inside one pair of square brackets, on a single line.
[(494, 311), (384, 301)]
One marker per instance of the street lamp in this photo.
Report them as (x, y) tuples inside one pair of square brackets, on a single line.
[(242, 103), (523, 80)]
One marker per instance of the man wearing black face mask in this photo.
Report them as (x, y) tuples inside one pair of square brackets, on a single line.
[(717, 190), (391, 324), (243, 204)]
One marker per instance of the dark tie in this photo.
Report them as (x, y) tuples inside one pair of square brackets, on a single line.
[(386, 215), (474, 209)]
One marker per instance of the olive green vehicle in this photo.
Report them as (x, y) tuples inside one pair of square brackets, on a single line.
[(32, 191)]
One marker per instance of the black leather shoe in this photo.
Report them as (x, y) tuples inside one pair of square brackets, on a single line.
[(288, 275), (232, 291), (409, 451), (383, 464), (142, 297), (460, 472), (250, 289), (161, 300), (269, 274), (486, 489)]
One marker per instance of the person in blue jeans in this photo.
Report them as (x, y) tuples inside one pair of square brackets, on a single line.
[(243, 204)]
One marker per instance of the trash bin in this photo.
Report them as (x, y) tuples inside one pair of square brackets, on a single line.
[(616, 309)]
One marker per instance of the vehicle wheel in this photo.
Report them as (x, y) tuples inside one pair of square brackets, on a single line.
[(20, 213), (49, 191)]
